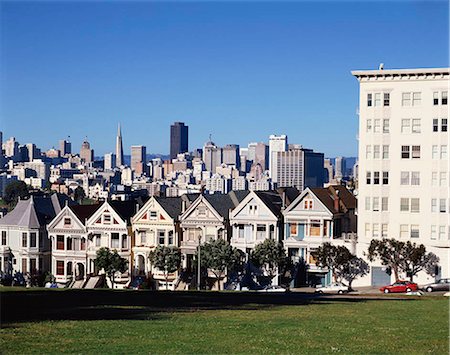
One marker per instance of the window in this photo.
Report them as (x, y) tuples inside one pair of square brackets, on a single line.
[(405, 151), (143, 236), (404, 231), (404, 204), (414, 231), (435, 125), (384, 230), (293, 228), (441, 232), (3, 237), (442, 205), (124, 241), (369, 125), (376, 125), (434, 152), (368, 177), (376, 152), (67, 222), (435, 98), (415, 178), (434, 178), (444, 97), (367, 229), (308, 205), (375, 230), (415, 205), (260, 231), (384, 203), (416, 151), (406, 99), (443, 152), (59, 267), (415, 125), (385, 177), (385, 152), (444, 125), (241, 231), (368, 151), (386, 125), (443, 178), (406, 125), (404, 178), (369, 100), (376, 204), (417, 98), (433, 205), (98, 240), (433, 232), (69, 243), (83, 244), (170, 237), (377, 101), (24, 240), (386, 99), (60, 242), (115, 240), (24, 265), (376, 178), (367, 203), (161, 237), (153, 214), (107, 219)]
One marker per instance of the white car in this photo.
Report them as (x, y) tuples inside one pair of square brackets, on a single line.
[(333, 288), (273, 288)]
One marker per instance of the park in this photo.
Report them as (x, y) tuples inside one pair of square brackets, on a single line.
[(123, 321)]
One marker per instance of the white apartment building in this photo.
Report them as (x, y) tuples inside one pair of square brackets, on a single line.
[(276, 144), (404, 162)]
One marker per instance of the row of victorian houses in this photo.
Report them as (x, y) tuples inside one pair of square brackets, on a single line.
[(53, 234)]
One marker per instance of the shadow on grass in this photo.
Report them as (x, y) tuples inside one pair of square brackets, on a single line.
[(20, 306)]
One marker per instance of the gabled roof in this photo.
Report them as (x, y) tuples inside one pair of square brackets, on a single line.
[(272, 200), (224, 203), (126, 209), (172, 205), (289, 193), (84, 212), (328, 196)]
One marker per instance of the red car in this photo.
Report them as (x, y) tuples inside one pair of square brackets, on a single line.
[(400, 286)]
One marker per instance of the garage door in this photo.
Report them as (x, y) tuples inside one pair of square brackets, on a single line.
[(379, 276)]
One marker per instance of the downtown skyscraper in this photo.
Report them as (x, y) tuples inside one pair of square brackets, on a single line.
[(178, 139), (119, 148)]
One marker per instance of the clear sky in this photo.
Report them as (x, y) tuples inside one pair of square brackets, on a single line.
[(237, 70)]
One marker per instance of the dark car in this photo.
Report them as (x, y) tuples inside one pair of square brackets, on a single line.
[(440, 285), (400, 286), (139, 283)]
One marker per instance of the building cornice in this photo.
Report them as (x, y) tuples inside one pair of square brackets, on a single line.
[(402, 74)]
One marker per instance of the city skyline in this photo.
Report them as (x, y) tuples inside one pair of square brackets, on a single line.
[(239, 71)]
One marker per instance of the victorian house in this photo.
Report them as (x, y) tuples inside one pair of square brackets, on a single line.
[(157, 224), (316, 216), (24, 243)]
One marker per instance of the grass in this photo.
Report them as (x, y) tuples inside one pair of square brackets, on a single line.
[(221, 323)]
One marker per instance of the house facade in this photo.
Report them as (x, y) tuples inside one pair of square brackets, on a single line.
[(316, 216)]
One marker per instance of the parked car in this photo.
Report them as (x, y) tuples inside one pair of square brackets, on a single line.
[(399, 287), (138, 283), (440, 285), (335, 287), (273, 288)]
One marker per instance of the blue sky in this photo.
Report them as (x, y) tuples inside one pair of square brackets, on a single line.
[(237, 70)]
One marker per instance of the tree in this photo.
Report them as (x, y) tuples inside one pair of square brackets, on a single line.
[(335, 258), (417, 259), (111, 262), (389, 251), (219, 256), (352, 269), (14, 191), (79, 194), (270, 256), (166, 259)]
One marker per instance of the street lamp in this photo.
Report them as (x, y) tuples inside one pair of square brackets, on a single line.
[(198, 266)]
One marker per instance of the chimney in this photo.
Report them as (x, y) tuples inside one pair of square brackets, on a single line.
[(137, 207), (183, 206), (336, 201)]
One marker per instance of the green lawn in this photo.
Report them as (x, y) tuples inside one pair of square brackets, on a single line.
[(322, 325)]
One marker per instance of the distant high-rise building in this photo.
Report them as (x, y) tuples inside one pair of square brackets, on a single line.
[(65, 147), (340, 168), (110, 161), (262, 155), (328, 170), (300, 168), (212, 156), (179, 139), (119, 148), (230, 155), (138, 159), (276, 144), (86, 153), (12, 148)]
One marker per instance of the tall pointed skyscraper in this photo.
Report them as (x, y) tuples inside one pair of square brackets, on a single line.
[(119, 148)]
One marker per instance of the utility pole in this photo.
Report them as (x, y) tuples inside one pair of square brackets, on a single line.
[(198, 266)]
